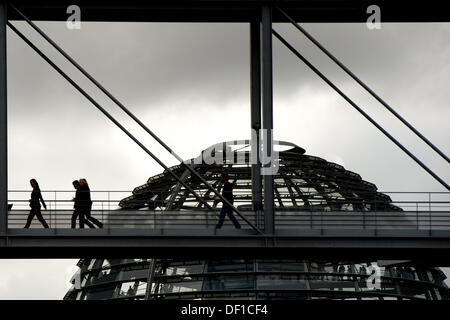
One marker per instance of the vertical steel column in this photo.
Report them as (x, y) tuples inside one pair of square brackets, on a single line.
[(3, 122), (255, 104), (151, 273), (267, 114)]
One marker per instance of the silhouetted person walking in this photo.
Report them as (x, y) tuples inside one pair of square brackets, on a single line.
[(86, 205), (227, 193), (35, 205), (77, 208)]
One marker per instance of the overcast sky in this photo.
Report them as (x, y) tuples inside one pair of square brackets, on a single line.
[(190, 84)]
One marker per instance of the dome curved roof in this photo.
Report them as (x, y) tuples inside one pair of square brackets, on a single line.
[(303, 182)]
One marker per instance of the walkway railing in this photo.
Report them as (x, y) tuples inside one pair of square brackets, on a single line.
[(418, 211)]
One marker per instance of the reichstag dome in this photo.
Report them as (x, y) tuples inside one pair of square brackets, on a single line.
[(303, 182)]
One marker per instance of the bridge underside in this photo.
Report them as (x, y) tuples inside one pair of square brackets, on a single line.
[(232, 10), (428, 246)]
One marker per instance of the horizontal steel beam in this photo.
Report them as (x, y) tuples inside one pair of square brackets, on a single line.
[(381, 244), (233, 10)]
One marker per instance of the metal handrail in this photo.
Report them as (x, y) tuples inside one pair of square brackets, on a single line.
[(293, 220)]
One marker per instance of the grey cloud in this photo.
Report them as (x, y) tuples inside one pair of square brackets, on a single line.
[(147, 63), (38, 279)]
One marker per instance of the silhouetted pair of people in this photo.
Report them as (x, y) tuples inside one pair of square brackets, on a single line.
[(35, 205), (227, 193), (83, 205)]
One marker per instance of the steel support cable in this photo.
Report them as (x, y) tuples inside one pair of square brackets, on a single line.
[(362, 84), (131, 115), (99, 107), (323, 77)]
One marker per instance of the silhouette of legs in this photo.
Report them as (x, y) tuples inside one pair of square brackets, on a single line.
[(221, 218), (84, 219), (41, 219), (233, 219), (85, 213), (74, 219), (37, 213), (90, 218), (94, 221), (30, 218), (227, 210), (77, 214)]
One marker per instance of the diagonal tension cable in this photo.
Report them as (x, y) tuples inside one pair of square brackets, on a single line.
[(323, 77), (131, 115), (362, 84), (85, 94)]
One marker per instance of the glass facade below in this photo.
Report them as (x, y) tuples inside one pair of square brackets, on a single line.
[(255, 279)]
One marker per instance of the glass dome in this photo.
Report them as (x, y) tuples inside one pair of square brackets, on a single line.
[(302, 182)]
